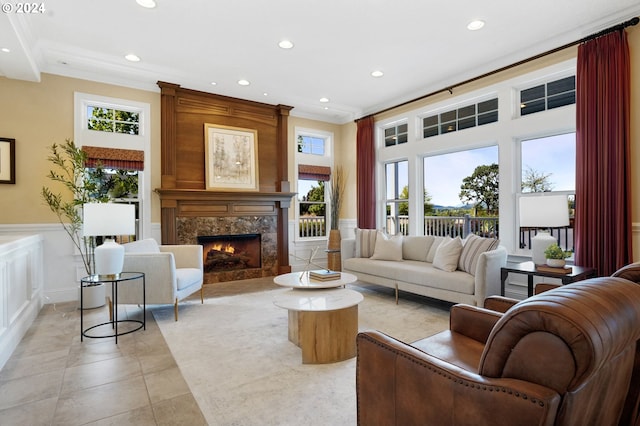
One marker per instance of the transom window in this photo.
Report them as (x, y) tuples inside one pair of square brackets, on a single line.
[(114, 120), (484, 112), (396, 135), (550, 95), (311, 145)]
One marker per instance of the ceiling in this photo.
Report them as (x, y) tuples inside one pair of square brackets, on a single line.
[(421, 46)]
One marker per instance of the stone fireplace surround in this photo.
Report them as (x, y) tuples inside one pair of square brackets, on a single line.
[(190, 228)]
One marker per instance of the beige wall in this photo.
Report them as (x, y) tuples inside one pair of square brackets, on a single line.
[(37, 115)]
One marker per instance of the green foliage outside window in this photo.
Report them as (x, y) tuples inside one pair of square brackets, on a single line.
[(113, 120)]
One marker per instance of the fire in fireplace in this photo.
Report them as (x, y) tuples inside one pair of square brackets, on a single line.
[(231, 252)]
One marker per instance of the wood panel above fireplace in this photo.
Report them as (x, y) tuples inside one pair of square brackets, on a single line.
[(183, 195)]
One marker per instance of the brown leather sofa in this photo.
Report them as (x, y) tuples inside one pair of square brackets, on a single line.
[(563, 357)]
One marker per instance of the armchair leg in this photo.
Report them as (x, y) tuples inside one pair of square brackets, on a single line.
[(110, 309), (175, 309), (202, 294), (396, 293)]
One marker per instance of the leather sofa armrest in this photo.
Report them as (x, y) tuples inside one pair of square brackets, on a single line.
[(472, 321), (397, 384), (499, 303)]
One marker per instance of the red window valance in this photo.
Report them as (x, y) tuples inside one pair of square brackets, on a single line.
[(114, 158), (310, 172)]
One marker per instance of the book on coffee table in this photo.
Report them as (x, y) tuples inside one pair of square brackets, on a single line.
[(563, 270), (324, 275)]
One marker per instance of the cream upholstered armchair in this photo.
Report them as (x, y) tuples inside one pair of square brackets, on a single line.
[(172, 272)]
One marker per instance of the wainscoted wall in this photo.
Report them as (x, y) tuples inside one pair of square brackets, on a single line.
[(21, 279)]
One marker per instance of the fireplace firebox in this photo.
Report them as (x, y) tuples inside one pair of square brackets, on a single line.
[(231, 252)]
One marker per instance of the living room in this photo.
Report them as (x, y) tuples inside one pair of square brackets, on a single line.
[(39, 113)]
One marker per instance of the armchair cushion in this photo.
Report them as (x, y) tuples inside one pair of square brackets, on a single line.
[(186, 277), (148, 245)]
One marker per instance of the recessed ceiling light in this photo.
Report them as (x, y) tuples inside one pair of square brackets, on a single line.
[(149, 4), (323, 100), (377, 73), (133, 58), (285, 44), (6, 50), (213, 83), (265, 94), (243, 82), (475, 25)]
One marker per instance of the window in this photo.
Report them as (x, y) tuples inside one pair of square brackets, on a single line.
[(461, 118), (396, 135), (548, 165), (114, 120), (311, 144), (551, 95), (461, 184), (314, 164), (312, 208), (397, 198), (115, 134)]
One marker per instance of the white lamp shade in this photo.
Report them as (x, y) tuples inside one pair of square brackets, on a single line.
[(108, 219), (544, 211)]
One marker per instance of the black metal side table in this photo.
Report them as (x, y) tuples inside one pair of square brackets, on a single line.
[(115, 281)]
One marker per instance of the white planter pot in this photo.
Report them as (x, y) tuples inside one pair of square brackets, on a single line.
[(556, 263), (92, 296)]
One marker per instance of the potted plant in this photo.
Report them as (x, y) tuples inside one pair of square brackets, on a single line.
[(83, 186), (556, 256), (336, 192)]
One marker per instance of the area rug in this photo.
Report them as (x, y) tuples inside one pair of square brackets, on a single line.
[(242, 370)]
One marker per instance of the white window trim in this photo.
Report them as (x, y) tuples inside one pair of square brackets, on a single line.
[(316, 160), (141, 142)]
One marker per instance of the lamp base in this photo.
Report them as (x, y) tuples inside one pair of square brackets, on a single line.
[(109, 258), (539, 244)]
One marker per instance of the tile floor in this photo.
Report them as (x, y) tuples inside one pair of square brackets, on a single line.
[(53, 378)]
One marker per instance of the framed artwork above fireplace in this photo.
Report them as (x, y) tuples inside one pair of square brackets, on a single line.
[(231, 158)]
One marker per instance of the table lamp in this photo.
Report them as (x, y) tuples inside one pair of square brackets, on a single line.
[(108, 220), (542, 212)]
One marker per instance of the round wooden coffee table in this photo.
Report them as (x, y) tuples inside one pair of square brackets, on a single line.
[(323, 323)]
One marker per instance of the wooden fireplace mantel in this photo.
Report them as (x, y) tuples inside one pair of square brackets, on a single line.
[(169, 196)]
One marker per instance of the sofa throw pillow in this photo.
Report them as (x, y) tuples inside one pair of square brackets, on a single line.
[(365, 242), (473, 247), (434, 246), (148, 245), (387, 248), (448, 254), (416, 247)]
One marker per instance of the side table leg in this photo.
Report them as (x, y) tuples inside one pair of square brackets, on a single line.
[(503, 277), (530, 285)]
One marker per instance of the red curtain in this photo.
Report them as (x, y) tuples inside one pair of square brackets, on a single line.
[(603, 191), (365, 167)]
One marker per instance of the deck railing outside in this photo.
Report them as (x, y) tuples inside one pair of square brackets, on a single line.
[(453, 226), (312, 226)]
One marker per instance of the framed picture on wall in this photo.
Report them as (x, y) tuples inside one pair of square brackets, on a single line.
[(7, 160), (231, 158)]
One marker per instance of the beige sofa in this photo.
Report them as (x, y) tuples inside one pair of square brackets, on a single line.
[(453, 270)]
